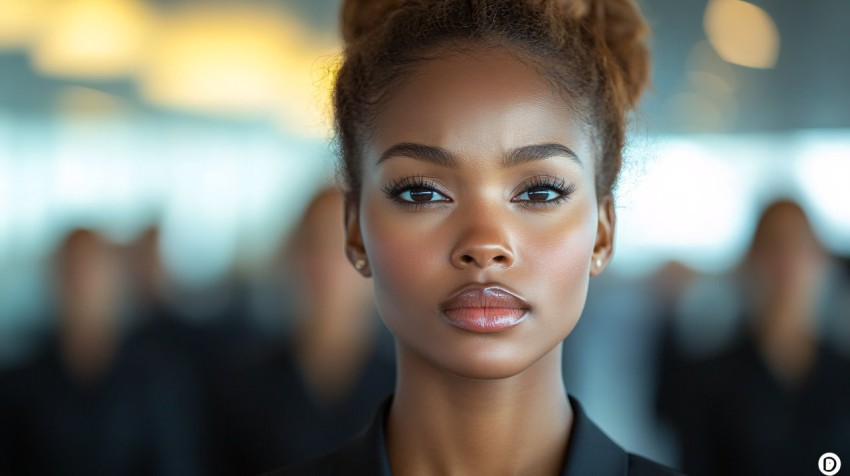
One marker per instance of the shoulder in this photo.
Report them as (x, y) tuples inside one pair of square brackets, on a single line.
[(640, 466), (28, 377), (592, 451), (317, 467), (363, 455), (352, 459)]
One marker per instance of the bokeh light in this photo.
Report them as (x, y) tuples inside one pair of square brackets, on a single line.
[(742, 33), (21, 21), (94, 38), (240, 62)]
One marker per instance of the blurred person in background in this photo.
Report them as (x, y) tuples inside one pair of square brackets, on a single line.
[(169, 342), (159, 328), (776, 399), (88, 404), (670, 284), (311, 391), (200, 329), (159, 323)]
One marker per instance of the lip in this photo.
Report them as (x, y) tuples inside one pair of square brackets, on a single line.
[(485, 309)]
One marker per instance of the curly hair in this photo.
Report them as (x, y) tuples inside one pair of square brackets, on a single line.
[(593, 50)]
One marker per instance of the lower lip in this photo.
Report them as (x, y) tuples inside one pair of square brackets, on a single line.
[(485, 320)]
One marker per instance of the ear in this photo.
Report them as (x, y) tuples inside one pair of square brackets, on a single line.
[(354, 248), (603, 249)]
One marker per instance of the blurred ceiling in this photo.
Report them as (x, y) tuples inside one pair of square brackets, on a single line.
[(808, 85)]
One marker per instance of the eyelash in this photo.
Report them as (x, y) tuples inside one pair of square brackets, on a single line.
[(396, 188), (559, 186)]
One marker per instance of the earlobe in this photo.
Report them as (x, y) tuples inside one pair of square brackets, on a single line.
[(354, 248), (603, 249)]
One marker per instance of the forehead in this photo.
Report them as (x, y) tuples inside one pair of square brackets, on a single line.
[(478, 103)]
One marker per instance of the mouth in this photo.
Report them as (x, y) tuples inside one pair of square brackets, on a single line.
[(485, 309)]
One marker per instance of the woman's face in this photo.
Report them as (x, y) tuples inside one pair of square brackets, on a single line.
[(479, 178)]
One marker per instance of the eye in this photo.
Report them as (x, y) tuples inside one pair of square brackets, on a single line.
[(539, 194), (544, 191), (415, 191), (421, 195)]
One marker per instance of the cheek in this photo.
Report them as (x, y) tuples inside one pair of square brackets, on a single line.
[(558, 255), (404, 255)]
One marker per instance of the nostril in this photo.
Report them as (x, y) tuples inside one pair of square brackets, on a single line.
[(483, 259)]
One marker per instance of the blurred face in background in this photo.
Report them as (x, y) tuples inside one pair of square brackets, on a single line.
[(787, 261), (89, 283), (327, 283)]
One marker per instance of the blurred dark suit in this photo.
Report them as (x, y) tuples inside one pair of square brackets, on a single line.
[(267, 416), (130, 421), (734, 417)]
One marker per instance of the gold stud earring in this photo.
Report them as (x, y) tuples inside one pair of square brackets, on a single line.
[(360, 264)]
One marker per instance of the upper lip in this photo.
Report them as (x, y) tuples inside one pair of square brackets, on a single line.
[(484, 296)]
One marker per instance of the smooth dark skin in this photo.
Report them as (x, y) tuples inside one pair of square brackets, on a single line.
[(470, 403)]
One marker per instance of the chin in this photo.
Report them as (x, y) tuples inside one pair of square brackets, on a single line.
[(488, 370), (486, 358)]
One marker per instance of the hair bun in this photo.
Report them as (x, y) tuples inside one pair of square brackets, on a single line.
[(622, 28), (362, 16)]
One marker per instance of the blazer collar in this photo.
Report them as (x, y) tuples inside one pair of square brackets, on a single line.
[(590, 451)]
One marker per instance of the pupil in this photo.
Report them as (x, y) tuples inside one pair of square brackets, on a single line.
[(538, 194), (421, 194)]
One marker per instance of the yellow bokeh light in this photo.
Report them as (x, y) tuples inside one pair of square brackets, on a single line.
[(20, 21), (742, 33), (236, 61), (93, 38)]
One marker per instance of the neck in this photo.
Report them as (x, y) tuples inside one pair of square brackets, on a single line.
[(88, 352), (441, 423), (786, 341)]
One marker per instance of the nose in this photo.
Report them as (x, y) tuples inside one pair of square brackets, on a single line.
[(482, 247)]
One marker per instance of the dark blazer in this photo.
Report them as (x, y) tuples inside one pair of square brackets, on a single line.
[(590, 452)]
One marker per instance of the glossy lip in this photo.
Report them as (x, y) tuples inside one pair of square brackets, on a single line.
[(485, 309)]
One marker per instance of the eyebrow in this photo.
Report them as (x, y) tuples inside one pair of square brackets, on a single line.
[(421, 152), (439, 156), (531, 153)]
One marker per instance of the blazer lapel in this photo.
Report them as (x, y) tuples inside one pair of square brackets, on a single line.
[(590, 451)]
